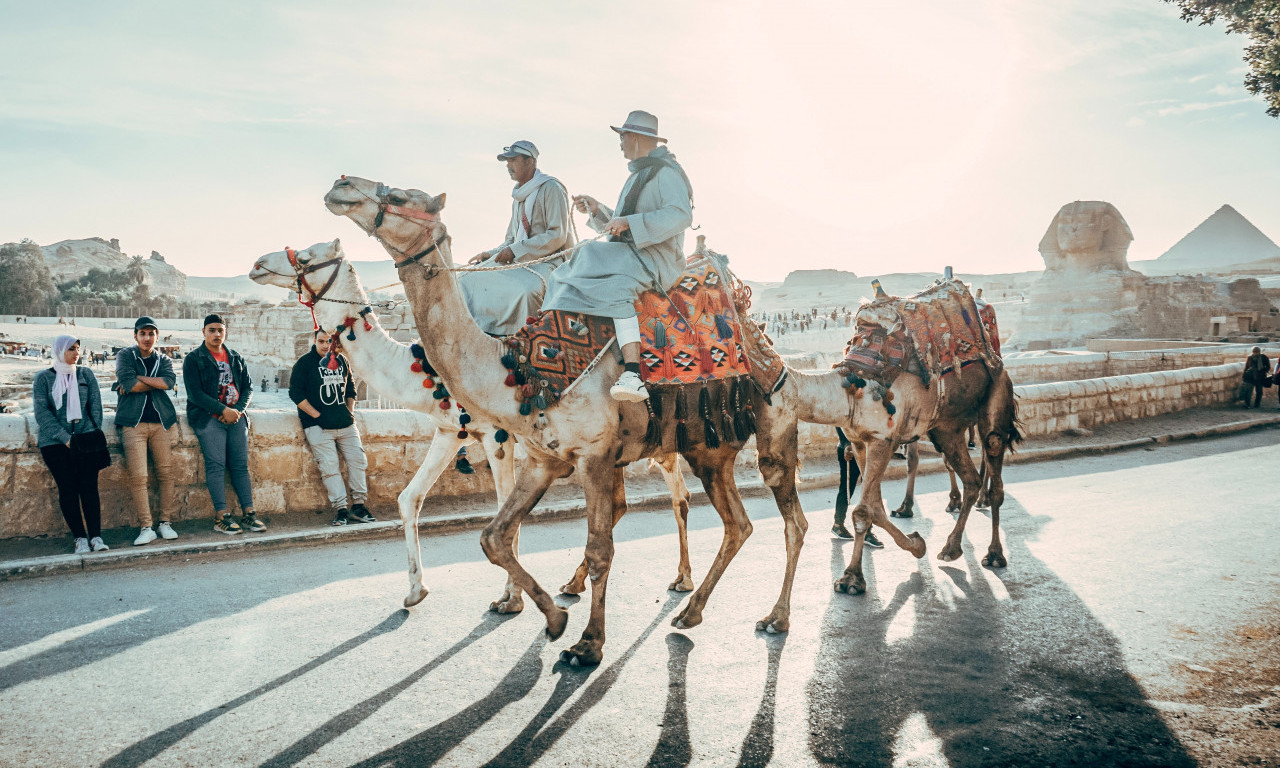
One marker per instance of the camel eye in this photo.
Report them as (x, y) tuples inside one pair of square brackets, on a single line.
[(399, 198)]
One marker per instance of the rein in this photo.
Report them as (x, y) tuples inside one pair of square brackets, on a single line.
[(313, 294)]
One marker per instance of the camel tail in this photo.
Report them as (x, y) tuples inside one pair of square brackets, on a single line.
[(1007, 424)]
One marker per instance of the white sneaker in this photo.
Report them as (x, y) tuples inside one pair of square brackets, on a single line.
[(166, 531), (82, 546), (145, 536), (629, 388), (98, 544)]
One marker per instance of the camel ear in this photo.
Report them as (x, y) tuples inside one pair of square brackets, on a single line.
[(335, 247), (436, 204)]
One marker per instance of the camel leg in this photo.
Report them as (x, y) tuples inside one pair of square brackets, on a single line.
[(775, 467), (715, 469), (909, 501), (870, 510), (499, 535), (504, 479), (578, 582), (995, 497), (444, 444), (670, 466), (955, 448), (984, 477), (599, 484)]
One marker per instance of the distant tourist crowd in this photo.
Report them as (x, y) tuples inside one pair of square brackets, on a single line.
[(68, 412)]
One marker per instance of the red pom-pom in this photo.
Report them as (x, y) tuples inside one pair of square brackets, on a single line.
[(428, 382), (416, 367), (445, 404), (367, 325), (511, 380), (528, 390)]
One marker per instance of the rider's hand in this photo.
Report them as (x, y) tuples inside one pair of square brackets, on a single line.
[(505, 256), (617, 226), (586, 204), (479, 257)]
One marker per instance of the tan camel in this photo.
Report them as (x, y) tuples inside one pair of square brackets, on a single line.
[(588, 431), (331, 282)]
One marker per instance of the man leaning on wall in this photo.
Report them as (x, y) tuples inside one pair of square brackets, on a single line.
[(145, 417)]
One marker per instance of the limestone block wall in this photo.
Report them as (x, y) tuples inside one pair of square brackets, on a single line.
[(286, 481), (1038, 370)]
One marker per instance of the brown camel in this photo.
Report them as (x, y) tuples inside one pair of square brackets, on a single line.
[(588, 431)]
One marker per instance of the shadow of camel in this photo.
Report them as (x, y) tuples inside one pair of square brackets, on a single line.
[(1033, 681)]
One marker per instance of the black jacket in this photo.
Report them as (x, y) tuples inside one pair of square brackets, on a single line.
[(200, 377), (325, 390), (1256, 369)]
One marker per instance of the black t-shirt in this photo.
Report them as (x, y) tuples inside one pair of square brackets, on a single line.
[(149, 413)]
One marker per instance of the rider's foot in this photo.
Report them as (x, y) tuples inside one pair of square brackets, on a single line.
[(629, 388)]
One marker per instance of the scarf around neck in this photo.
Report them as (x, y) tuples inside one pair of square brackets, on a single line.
[(64, 380), (644, 169), (522, 202)]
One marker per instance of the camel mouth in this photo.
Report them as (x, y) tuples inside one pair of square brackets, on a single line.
[(259, 273)]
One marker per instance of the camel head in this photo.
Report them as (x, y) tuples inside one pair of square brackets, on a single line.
[(405, 221), (308, 270)]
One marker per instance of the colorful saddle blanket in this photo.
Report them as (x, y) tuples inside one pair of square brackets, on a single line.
[(695, 337)]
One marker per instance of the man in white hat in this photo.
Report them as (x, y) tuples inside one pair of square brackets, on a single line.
[(645, 248), (501, 300)]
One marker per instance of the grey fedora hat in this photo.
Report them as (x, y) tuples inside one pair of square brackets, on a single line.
[(641, 123)]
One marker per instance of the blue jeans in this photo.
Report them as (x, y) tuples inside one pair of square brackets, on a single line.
[(226, 449)]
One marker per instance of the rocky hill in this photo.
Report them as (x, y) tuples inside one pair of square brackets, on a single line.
[(70, 259)]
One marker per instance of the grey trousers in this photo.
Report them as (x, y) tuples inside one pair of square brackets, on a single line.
[(325, 445)]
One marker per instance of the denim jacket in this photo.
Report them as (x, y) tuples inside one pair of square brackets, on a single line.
[(129, 405), (51, 419), (200, 377)]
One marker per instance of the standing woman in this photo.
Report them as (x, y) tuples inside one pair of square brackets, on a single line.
[(67, 402)]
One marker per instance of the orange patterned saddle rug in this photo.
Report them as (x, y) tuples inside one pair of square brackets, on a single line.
[(693, 338)]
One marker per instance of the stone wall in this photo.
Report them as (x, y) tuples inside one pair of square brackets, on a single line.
[(286, 481), (1075, 367)]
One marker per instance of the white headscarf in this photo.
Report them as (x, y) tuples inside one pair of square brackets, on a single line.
[(64, 381), (523, 196)]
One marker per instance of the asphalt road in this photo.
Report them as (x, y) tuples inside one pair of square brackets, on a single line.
[(1136, 624)]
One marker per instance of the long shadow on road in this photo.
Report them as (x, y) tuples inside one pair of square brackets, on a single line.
[(1036, 680)]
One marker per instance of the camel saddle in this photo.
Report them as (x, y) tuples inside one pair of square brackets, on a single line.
[(932, 334), (690, 336)]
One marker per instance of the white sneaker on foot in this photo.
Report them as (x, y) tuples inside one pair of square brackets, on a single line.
[(145, 536), (82, 546), (166, 531), (629, 388), (98, 545)]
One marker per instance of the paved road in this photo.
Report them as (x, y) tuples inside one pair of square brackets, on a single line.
[(1135, 624)]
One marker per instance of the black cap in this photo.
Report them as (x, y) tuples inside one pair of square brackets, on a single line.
[(146, 321), (213, 318)]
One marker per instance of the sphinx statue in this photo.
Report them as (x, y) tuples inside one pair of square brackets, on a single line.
[(1086, 236)]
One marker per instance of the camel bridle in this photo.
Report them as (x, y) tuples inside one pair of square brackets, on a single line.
[(424, 219)]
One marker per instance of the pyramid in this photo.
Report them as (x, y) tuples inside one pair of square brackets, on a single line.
[(1224, 239)]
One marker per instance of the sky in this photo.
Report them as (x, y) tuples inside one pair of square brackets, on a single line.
[(868, 137)]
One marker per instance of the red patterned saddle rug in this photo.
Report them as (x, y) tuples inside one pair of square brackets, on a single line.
[(692, 339)]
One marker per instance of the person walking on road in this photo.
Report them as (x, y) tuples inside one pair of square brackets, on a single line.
[(219, 389), (68, 403), (321, 387), (145, 417), (1257, 369)]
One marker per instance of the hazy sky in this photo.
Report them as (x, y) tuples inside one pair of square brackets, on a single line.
[(870, 137)]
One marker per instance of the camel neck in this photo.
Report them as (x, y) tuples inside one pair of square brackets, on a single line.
[(465, 356), (818, 396)]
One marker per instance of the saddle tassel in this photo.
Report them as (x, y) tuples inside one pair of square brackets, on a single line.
[(682, 430), (652, 431), (723, 329), (659, 334), (708, 418)]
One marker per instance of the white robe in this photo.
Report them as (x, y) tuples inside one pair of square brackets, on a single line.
[(501, 300)]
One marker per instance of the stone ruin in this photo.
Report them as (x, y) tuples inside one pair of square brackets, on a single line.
[(1089, 291)]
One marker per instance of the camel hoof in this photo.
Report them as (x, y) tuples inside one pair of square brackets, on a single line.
[(682, 584), (917, 546), (510, 605), (573, 588), (995, 559), (850, 585), (982, 503), (903, 511), (581, 654), (840, 532), (686, 620), (950, 553), (416, 595), (556, 622), (953, 508), (773, 627)]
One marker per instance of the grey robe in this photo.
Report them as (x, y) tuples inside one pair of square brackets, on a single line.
[(501, 300), (605, 279)]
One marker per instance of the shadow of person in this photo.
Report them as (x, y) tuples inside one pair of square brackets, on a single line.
[(1032, 680), (354, 715), (142, 751)]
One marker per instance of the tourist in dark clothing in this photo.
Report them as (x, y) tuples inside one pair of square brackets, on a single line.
[(1257, 367), (145, 417), (68, 402), (325, 394), (218, 392)]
